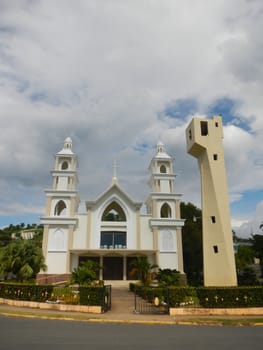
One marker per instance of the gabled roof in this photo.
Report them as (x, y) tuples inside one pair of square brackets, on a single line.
[(113, 189)]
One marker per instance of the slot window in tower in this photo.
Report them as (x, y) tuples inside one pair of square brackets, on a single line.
[(204, 128), (215, 247), (215, 156), (190, 134), (213, 219)]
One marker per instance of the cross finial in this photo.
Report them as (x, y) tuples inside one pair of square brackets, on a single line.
[(115, 166)]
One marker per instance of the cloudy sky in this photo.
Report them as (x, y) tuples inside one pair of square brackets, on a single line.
[(119, 75)]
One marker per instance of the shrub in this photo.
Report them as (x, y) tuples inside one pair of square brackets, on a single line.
[(92, 295), (182, 296), (65, 295), (230, 297), (28, 292)]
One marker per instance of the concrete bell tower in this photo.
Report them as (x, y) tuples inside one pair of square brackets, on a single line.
[(60, 216), (204, 142), (164, 206)]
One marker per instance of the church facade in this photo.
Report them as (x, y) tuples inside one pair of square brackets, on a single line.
[(113, 231)]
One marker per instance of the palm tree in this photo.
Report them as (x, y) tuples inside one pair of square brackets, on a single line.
[(22, 258), (142, 268), (86, 273)]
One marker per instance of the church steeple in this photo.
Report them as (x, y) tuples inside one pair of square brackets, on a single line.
[(161, 167), (115, 178), (67, 148), (164, 207), (63, 199), (161, 153), (64, 174)]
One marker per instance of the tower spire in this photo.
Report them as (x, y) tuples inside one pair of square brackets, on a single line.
[(115, 166)]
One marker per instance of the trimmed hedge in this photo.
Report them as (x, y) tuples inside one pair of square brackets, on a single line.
[(174, 296), (98, 296), (92, 295), (149, 293), (30, 292), (185, 296), (218, 297), (209, 297)]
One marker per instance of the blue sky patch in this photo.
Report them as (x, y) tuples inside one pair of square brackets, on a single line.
[(226, 107), (248, 203), (181, 108), (141, 147), (16, 220)]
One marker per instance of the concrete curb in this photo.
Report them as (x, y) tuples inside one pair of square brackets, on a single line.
[(183, 322)]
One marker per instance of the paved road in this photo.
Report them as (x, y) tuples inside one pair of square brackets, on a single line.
[(20, 333)]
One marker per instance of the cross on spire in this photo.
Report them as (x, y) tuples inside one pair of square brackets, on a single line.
[(115, 166)]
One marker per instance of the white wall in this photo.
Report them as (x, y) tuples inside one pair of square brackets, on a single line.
[(146, 233), (56, 262), (168, 260), (57, 240), (80, 234), (167, 240), (62, 183)]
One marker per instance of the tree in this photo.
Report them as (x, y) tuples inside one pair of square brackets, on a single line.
[(257, 244), (244, 257), (21, 258), (168, 277), (86, 273), (247, 277), (192, 243), (143, 269)]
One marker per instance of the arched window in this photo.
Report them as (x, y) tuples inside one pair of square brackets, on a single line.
[(165, 211), (60, 208), (113, 212), (64, 165), (163, 169)]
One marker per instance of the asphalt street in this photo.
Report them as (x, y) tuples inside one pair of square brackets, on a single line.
[(21, 333)]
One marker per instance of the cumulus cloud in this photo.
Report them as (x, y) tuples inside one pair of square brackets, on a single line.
[(117, 77)]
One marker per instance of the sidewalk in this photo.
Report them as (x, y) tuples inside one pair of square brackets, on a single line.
[(122, 311)]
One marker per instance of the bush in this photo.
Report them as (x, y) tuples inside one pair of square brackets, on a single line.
[(183, 296), (92, 295), (216, 297), (28, 292), (209, 297), (65, 295)]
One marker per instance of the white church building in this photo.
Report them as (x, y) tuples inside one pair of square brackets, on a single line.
[(113, 231)]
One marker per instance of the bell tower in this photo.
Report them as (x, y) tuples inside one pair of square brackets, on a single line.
[(204, 142), (60, 215), (164, 207)]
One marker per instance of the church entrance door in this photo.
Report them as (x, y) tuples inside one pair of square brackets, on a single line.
[(112, 268)]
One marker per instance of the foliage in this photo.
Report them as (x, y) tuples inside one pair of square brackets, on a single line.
[(43, 293), (183, 296), (192, 243), (86, 273), (28, 292), (168, 277), (248, 277), (23, 259), (65, 295), (143, 269), (92, 295), (7, 234), (219, 297), (174, 296), (244, 257), (257, 245), (150, 293), (210, 297)]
